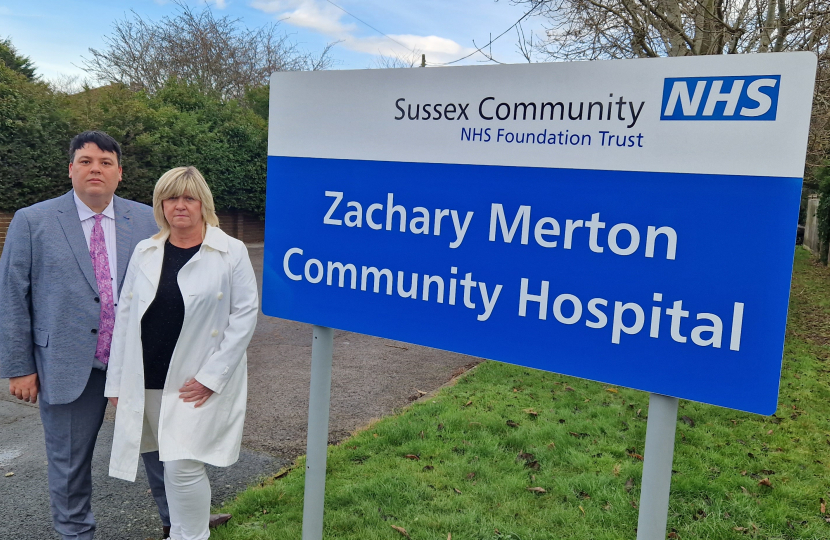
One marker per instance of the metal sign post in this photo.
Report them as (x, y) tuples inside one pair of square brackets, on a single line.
[(319, 399), (657, 462)]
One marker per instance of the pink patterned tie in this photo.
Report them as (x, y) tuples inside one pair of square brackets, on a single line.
[(101, 265)]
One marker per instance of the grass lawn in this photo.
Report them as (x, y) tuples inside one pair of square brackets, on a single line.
[(462, 462)]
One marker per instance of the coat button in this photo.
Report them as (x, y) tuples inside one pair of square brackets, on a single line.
[(94, 331), (130, 296), (97, 299), (219, 296), (214, 333)]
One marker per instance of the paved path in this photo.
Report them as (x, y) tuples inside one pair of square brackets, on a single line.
[(371, 378)]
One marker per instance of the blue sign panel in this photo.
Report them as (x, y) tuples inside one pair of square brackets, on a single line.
[(721, 98), (516, 233)]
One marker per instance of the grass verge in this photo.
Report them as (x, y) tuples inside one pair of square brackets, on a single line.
[(513, 453)]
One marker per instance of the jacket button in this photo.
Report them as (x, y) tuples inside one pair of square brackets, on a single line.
[(94, 331), (130, 296), (214, 333), (97, 299), (219, 296)]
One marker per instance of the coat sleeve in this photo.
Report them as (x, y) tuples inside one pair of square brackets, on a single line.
[(16, 347), (244, 305), (118, 348)]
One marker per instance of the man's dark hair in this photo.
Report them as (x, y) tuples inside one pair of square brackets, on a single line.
[(99, 139)]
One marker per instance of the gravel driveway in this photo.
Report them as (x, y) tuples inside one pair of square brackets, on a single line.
[(371, 378)]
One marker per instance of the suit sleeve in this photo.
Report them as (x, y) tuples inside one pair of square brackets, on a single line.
[(16, 347), (244, 305), (118, 348)]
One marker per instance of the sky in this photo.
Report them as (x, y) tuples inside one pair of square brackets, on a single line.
[(57, 34)]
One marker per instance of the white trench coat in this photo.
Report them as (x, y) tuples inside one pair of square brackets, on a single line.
[(221, 304)]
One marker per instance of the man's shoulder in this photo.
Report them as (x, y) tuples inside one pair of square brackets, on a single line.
[(139, 214), (41, 207), (134, 206)]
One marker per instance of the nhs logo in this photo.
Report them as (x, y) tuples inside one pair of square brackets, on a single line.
[(721, 98)]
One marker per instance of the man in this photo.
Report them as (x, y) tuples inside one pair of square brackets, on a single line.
[(61, 272)]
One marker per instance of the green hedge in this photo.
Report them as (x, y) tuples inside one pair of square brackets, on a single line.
[(178, 126), (34, 130)]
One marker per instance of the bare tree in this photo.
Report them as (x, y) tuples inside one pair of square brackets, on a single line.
[(398, 61), (68, 84), (216, 54), (594, 29), (524, 43)]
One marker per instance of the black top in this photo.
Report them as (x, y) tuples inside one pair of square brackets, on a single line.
[(162, 322)]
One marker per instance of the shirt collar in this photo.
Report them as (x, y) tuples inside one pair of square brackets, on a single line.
[(84, 212)]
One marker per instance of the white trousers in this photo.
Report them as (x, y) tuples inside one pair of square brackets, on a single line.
[(185, 481)]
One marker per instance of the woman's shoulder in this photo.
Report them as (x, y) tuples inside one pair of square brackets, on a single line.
[(237, 248), (222, 241)]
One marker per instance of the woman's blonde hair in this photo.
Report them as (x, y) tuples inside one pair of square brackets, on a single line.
[(175, 182)]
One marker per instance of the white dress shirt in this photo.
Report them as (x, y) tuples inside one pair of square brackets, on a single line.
[(87, 217)]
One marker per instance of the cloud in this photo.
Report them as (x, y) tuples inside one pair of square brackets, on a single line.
[(324, 18), (436, 49), (321, 17), (218, 4)]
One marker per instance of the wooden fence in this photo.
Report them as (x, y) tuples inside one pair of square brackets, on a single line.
[(811, 241)]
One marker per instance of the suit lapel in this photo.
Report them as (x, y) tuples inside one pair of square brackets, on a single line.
[(71, 224), (123, 238)]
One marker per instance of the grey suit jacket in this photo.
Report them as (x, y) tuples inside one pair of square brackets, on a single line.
[(49, 310)]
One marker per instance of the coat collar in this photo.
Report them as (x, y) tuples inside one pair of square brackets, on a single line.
[(215, 238)]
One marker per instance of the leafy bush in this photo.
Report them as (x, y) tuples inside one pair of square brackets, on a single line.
[(34, 138), (14, 61)]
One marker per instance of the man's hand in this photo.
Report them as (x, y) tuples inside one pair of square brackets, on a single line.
[(193, 390), (25, 387), (113, 402)]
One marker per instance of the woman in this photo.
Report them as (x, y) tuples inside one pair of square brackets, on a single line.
[(178, 371)]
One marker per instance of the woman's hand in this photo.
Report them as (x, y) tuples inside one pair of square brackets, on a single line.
[(113, 401), (193, 390)]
